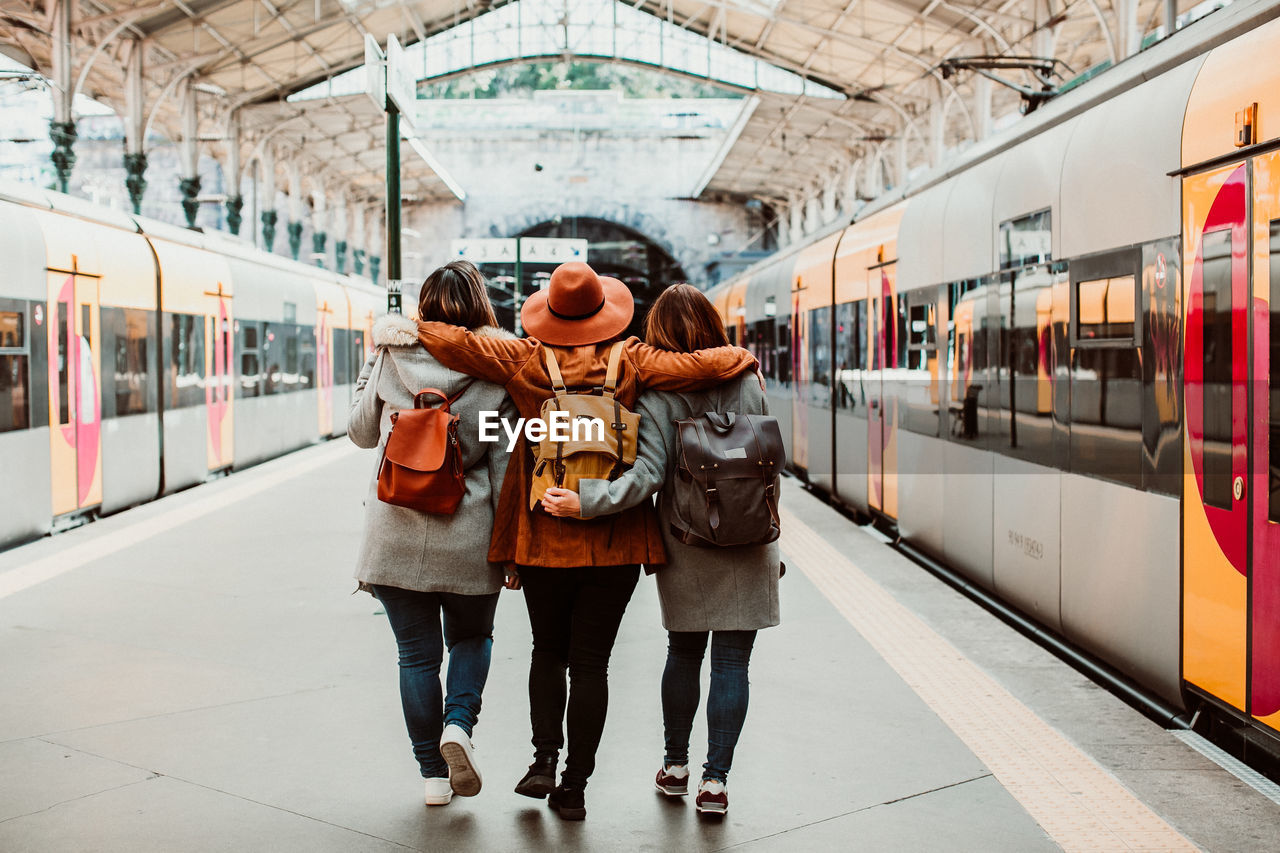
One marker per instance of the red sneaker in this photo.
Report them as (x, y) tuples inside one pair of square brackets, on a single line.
[(673, 780), (713, 798)]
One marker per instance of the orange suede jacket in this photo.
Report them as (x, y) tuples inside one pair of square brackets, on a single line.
[(531, 537)]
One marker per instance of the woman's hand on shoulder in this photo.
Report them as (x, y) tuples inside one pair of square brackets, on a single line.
[(562, 502)]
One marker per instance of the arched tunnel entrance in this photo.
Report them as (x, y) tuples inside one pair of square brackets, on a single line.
[(612, 249)]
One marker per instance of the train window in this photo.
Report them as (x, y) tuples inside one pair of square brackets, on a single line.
[(966, 359), (1218, 413), (1106, 308), (341, 357), (132, 391), (818, 380), (13, 330), (761, 341), (918, 389), (250, 360), (1029, 362), (15, 392), (851, 354), (1273, 506), (783, 351), (272, 351), (186, 360), (64, 365), (307, 367), (1026, 240)]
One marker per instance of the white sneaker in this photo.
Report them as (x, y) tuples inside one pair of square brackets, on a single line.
[(456, 748), (438, 791)]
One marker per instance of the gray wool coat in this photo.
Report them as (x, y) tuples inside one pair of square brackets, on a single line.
[(700, 589), (403, 547)]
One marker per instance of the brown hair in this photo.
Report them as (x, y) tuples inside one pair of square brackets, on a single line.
[(682, 319), (456, 293)]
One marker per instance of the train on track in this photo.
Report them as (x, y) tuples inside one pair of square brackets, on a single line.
[(137, 358), (1055, 366)]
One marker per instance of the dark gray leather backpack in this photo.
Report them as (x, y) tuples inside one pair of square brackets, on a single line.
[(726, 488)]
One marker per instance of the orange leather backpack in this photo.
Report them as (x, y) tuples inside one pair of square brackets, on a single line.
[(422, 463)]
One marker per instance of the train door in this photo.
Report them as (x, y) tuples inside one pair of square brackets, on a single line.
[(882, 415), (1264, 598), (324, 368), (220, 373), (75, 401), (1231, 604)]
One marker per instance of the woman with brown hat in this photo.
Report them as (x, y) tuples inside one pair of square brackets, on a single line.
[(724, 595), (578, 576)]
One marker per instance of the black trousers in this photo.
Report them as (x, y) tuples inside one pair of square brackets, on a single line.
[(574, 614)]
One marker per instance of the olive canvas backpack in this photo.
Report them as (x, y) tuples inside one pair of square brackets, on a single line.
[(602, 433)]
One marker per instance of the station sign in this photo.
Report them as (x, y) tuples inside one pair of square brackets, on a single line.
[(375, 73), (485, 250), (552, 250), (402, 85), (529, 250)]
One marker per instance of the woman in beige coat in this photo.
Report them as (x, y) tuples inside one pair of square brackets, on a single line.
[(426, 568), (722, 594)]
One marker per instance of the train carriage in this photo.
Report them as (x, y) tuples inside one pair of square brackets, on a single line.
[(137, 358), (995, 363)]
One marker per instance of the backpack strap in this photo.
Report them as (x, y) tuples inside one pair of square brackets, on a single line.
[(553, 368), (709, 481), (417, 398), (766, 472), (611, 374)]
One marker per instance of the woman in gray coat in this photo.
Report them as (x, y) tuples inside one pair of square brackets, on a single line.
[(424, 567), (727, 593)]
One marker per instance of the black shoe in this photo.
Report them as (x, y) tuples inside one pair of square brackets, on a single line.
[(569, 803), (540, 780)]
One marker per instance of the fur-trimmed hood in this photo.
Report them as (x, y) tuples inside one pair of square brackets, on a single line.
[(397, 330)]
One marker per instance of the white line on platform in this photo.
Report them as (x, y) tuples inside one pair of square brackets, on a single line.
[(1231, 764), (1078, 803), (96, 547)]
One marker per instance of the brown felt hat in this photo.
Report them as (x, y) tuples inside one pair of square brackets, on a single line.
[(578, 307)]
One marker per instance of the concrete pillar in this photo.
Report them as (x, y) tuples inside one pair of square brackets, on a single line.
[(340, 228), (937, 131), (813, 212), (235, 201), (1170, 17), (319, 222), (851, 177), (358, 240), (1128, 36), (267, 192), (782, 226), (873, 177), (829, 192), (796, 208), (135, 153), (296, 210), (373, 243), (189, 150), (900, 157), (62, 129), (982, 90)]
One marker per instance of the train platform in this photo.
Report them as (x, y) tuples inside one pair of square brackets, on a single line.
[(196, 674)]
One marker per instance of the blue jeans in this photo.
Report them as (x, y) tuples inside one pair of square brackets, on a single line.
[(726, 700), (468, 635)]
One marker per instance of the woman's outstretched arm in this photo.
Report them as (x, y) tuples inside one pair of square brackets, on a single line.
[(663, 370), (492, 359)]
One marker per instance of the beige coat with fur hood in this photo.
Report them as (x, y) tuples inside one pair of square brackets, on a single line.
[(403, 547)]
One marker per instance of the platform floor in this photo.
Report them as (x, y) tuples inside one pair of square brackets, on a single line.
[(195, 675)]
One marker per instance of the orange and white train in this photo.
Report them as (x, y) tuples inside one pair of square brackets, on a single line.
[(137, 358), (1055, 366)]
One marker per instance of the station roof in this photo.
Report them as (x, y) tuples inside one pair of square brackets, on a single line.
[(880, 59)]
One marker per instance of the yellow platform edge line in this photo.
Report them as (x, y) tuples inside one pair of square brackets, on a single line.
[(1075, 801)]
